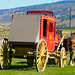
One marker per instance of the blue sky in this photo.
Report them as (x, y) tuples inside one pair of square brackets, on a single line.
[(7, 4)]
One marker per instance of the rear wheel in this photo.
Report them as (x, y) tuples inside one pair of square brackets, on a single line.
[(5, 60), (41, 55)]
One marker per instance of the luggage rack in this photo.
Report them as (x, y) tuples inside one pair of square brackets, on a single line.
[(33, 12)]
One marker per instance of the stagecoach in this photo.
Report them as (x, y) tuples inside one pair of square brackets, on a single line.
[(32, 36)]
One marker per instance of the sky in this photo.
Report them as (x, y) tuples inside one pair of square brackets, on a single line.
[(7, 4)]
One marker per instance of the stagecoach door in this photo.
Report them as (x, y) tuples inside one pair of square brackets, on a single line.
[(47, 32), (51, 35)]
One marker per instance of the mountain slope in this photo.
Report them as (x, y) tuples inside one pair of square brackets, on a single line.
[(61, 10)]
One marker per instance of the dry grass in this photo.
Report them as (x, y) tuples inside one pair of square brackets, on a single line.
[(4, 31), (67, 32), (4, 34)]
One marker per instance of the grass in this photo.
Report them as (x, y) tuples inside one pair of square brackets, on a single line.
[(19, 66), (67, 32)]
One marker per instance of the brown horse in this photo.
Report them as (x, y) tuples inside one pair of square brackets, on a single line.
[(69, 44)]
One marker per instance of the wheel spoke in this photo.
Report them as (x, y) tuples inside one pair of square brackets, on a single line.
[(38, 56), (38, 53), (1, 50), (39, 64), (1, 58), (2, 64), (41, 48), (38, 60), (42, 64), (44, 53), (43, 61), (1, 54)]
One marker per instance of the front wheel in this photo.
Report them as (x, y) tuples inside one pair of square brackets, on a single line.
[(41, 55), (62, 57)]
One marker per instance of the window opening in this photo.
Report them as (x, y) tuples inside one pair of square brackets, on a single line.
[(51, 27), (44, 27)]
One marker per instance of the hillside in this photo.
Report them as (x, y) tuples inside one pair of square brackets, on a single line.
[(61, 10), (4, 26), (4, 31)]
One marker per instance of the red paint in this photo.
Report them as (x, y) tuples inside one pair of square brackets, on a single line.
[(51, 36), (40, 12)]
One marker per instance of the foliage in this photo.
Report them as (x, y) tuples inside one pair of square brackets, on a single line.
[(64, 27)]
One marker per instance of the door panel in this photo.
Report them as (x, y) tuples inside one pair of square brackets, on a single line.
[(47, 32), (51, 39)]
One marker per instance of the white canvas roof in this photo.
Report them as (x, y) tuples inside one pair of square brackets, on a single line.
[(25, 28)]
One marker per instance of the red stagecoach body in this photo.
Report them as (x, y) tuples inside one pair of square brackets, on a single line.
[(46, 29)]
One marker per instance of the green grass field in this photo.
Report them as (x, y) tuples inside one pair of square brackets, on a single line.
[(19, 66), (67, 32)]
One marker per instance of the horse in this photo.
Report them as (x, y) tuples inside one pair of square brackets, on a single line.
[(69, 44)]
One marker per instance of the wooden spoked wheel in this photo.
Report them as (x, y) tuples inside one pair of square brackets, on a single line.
[(41, 55), (62, 57), (5, 60)]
